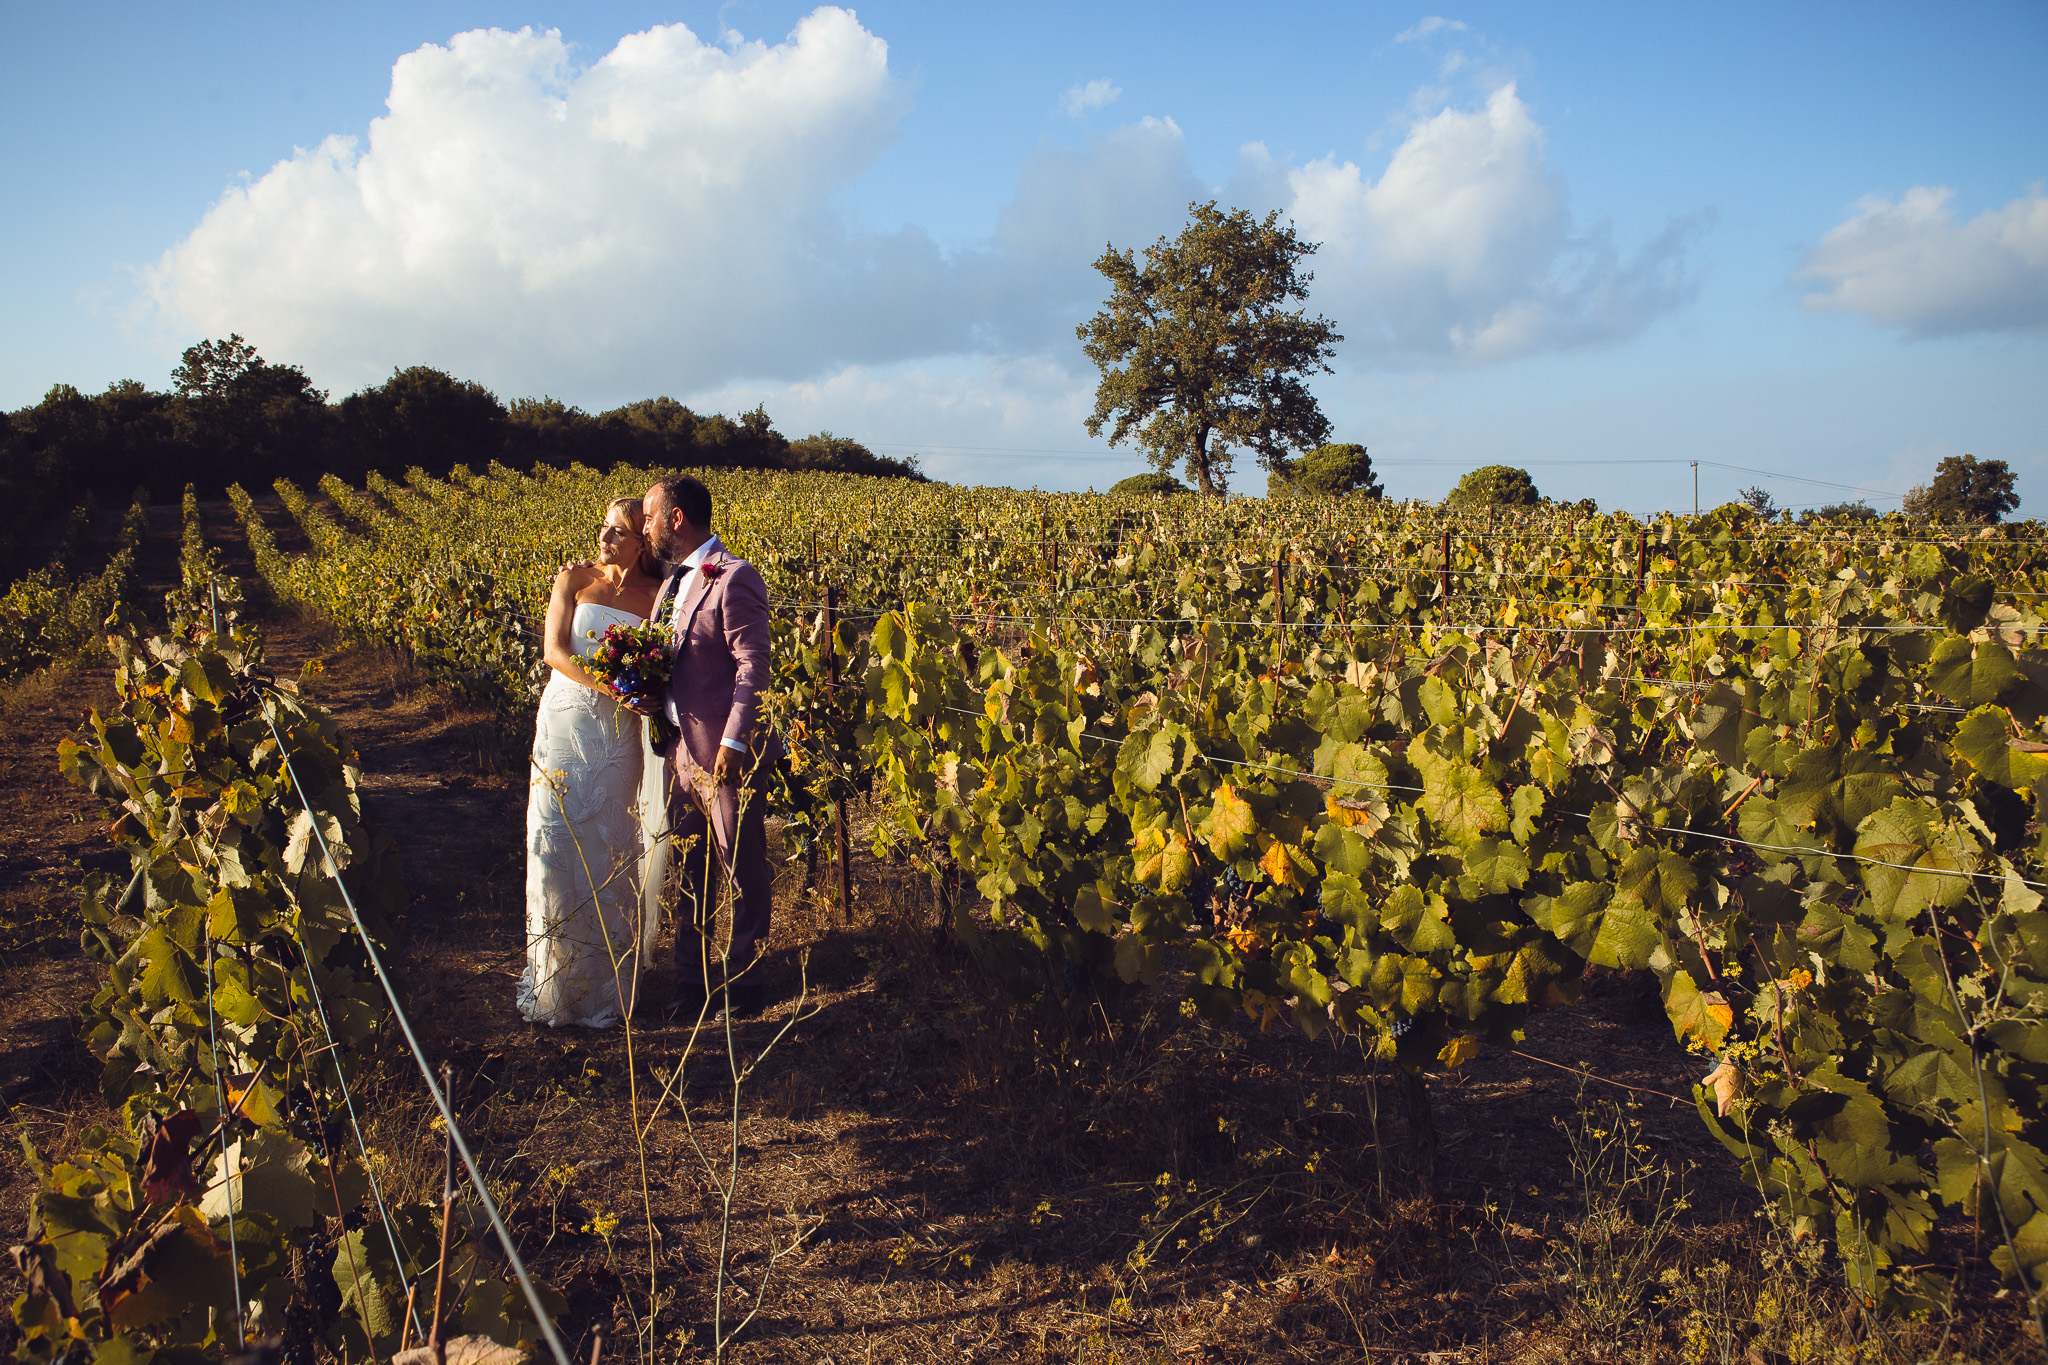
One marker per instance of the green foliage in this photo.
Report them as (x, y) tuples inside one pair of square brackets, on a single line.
[(1415, 816), (422, 415), (51, 616), (1498, 485), (1331, 470), (237, 1003), (233, 417), (1147, 485), (1858, 510), (1759, 500), (1965, 488), (1199, 351)]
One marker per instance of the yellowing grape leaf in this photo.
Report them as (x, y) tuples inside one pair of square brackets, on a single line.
[(1366, 815), (1231, 822), (1280, 867), (1163, 857), (1459, 1051), (1697, 1015)]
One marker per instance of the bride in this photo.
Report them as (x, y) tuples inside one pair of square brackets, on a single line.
[(596, 801)]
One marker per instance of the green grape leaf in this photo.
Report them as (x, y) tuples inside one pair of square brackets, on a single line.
[(1091, 912), (1629, 934), (1137, 960), (1660, 880), (1496, 866), (1917, 860), (1972, 674), (1345, 902), (170, 974), (1528, 805), (268, 1172), (1982, 738), (1147, 758), (1343, 850), (1417, 921), (1460, 802), (1573, 917), (1931, 1080)]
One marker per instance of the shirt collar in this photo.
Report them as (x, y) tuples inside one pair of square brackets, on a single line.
[(698, 555)]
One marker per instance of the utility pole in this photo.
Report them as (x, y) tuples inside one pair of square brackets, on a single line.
[(1695, 487)]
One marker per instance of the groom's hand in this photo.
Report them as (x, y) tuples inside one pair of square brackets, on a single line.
[(725, 769)]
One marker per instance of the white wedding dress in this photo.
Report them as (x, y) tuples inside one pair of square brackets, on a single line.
[(594, 862)]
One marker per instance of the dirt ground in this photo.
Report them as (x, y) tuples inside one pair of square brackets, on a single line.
[(927, 1171)]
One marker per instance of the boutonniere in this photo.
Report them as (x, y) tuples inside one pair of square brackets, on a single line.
[(711, 571)]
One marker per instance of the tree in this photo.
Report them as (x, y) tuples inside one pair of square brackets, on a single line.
[(1146, 485), (1199, 352), (1334, 469), (1759, 500), (243, 419), (1500, 484), (1858, 510), (210, 369), (844, 455), (1965, 489), (423, 416)]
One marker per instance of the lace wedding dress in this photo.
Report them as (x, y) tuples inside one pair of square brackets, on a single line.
[(593, 862)]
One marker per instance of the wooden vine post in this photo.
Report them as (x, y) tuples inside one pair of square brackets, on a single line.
[(838, 802), (1444, 571), (1280, 600), (1642, 559)]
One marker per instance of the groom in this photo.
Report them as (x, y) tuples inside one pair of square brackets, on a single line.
[(718, 606)]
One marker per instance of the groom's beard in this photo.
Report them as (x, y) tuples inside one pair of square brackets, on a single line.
[(668, 546)]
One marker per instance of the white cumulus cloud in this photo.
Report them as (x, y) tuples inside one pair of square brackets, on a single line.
[(1433, 24), (1911, 265), (659, 220), (1464, 250), (1099, 93)]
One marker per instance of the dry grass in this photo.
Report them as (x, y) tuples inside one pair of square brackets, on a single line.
[(936, 1173)]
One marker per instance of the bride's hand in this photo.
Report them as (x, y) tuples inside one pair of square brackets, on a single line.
[(577, 564)]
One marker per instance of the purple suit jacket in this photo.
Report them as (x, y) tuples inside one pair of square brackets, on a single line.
[(722, 660)]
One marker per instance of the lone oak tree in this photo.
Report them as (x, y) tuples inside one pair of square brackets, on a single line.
[(1199, 352)]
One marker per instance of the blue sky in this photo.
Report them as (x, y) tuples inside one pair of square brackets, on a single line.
[(1810, 240)]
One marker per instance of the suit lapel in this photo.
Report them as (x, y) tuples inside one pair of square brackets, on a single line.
[(697, 600)]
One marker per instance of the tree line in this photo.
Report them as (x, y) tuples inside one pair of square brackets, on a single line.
[(230, 416)]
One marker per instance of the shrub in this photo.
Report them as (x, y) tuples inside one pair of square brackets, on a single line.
[(1500, 484), (1334, 469), (1149, 483)]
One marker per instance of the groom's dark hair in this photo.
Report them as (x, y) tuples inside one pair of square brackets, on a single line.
[(692, 497)]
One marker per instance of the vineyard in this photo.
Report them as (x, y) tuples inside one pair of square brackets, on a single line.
[(1359, 775)]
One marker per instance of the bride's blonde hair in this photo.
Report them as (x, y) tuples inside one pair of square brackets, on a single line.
[(636, 513)]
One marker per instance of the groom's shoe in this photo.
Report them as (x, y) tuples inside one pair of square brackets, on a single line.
[(744, 998), (687, 1001)]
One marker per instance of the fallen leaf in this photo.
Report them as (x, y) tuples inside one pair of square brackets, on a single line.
[(464, 1351)]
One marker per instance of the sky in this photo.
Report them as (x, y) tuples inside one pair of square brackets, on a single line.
[(1806, 246)]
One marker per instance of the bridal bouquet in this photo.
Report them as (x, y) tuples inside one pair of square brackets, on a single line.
[(634, 664)]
